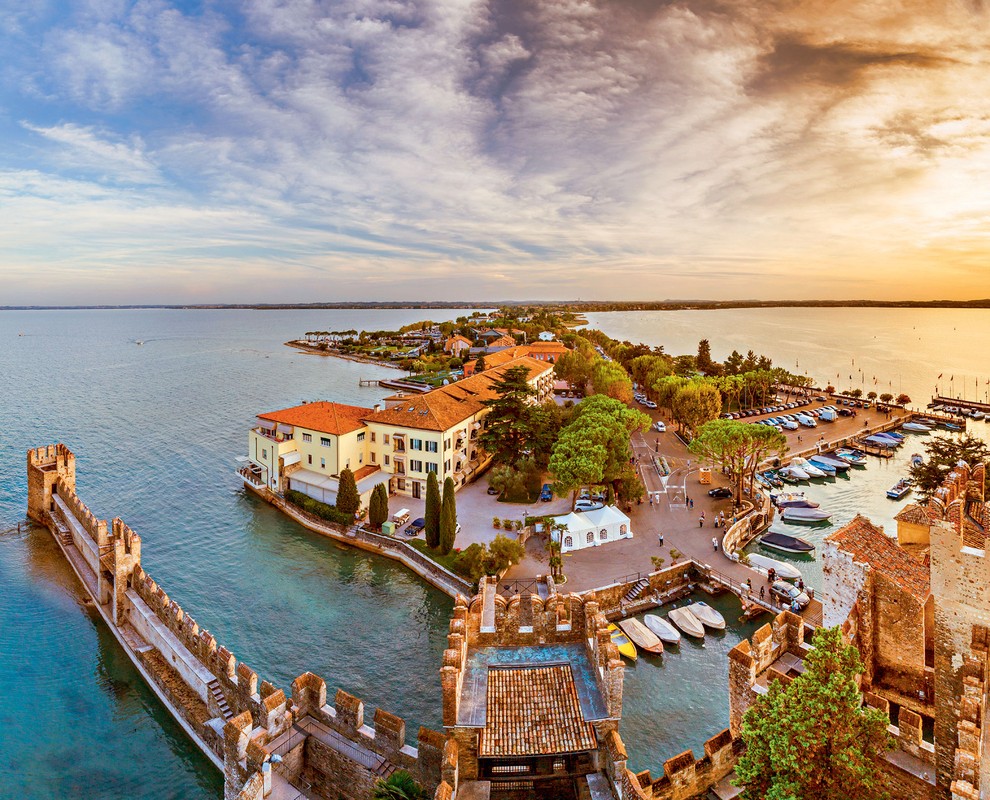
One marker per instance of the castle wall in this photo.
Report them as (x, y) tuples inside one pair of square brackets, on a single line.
[(844, 580), (899, 634)]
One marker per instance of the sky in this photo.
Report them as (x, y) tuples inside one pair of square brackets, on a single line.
[(306, 151)]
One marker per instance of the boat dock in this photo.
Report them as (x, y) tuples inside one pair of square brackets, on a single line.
[(969, 405), (369, 382)]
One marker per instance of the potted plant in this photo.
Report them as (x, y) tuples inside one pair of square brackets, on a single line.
[(496, 523)]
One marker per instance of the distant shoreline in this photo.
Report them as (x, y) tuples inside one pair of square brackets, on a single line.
[(302, 347), (574, 305)]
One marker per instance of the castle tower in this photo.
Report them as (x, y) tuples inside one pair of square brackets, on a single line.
[(45, 465), (960, 580)]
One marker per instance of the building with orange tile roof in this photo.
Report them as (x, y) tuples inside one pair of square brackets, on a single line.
[(548, 352), (457, 344), (306, 447)]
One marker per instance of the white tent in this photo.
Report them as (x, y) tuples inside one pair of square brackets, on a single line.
[(592, 528)]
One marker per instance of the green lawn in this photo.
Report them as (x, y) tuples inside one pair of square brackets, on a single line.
[(445, 561)]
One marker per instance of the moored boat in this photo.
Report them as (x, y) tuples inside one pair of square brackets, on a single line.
[(825, 458), (709, 617), (854, 457), (804, 515), (786, 543), (687, 622), (641, 636), (917, 458), (782, 568), (916, 427), (807, 467), (620, 640), (817, 463), (899, 489), (882, 441), (793, 474), (793, 500), (666, 632)]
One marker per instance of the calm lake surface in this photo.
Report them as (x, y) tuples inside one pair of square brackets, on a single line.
[(157, 428)]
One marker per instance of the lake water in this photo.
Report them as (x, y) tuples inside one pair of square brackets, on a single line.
[(157, 428)]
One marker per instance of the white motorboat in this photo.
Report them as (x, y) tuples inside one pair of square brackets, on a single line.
[(804, 515), (668, 633), (794, 473), (782, 568), (916, 427), (840, 464), (793, 499), (709, 617), (807, 466), (687, 622)]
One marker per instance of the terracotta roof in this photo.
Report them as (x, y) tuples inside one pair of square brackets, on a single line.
[(365, 471), (322, 416), (546, 347), (867, 544), (914, 513), (534, 711), (459, 338), (445, 407)]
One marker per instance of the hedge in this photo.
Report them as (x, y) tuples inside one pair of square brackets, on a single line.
[(321, 510)]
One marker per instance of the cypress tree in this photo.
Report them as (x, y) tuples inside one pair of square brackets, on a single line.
[(348, 499), (378, 507), (448, 517), (432, 517)]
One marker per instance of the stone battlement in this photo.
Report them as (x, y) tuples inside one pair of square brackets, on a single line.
[(683, 775)]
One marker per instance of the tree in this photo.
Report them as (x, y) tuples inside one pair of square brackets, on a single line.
[(857, 393), (704, 360), (903, 399), (448, 517), (871, 395), (696, 403), (942, 456), (738, 447), (378, 507), (504, 552), (811, 738), (480, 365), (610, 379), (348, 499), (400, 785), (508, 424), (886, 397), (432, 514)]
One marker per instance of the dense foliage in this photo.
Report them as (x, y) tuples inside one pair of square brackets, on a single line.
[(378, 506), (448, 517), (348, 499), (478, 559), (321, 510), (942, 454), (400, 785), (811, 738), (738, 447), (432, 513)]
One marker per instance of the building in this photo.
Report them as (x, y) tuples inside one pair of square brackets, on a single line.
[(548, 352), (306, 447), (583, 529), (456, 345)]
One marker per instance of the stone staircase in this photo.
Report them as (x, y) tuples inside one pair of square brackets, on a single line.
[(638, 588), (217, 692), (62, 532)]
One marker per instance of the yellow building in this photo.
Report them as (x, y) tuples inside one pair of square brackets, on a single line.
[(399, 443)]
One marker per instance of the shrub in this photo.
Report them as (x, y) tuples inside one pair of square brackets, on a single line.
[(378, 508), (321, 510), (496, 522), (448, 517), (348, 499), (432, 515)]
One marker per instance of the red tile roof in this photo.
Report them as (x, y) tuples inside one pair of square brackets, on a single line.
[(534, 711), (915, 514), (363, 472), (322, 416), (867, 544)]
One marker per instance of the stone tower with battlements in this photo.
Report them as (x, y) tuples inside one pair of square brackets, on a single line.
[(45, 466)]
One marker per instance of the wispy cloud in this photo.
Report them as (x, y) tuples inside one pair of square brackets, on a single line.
[(420, 148)]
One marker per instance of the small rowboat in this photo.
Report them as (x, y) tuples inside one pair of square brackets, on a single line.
[(667, 633), (916, 427), (642, 637), (687, 622), (804, 515), (709, 617), (783, 569), (785, 542), (619, 639)]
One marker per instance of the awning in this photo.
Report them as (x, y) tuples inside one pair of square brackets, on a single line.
[(282, 428), (292, 458), (476, 425), (268, 426)]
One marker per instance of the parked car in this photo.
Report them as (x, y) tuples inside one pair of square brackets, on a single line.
[(587, 505), (416, 527), (845, 412), (788, 593), (649, 404), (720, 491), (659, 427), (546, 494)]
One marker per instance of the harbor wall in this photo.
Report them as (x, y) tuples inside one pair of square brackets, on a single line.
[(228, 712)]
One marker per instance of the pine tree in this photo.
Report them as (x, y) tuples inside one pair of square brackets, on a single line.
[(378, 508), (348, 499), (448, 517), (432, 517)]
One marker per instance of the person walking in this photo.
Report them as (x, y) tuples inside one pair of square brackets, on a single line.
[(763, 592), (651, 499), (660, 538), (701, 522), (714, 544)]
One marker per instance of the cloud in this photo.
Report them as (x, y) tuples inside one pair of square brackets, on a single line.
[(453, 147)]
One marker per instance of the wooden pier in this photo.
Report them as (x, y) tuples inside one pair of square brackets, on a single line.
[(969, 405), (369, 382)]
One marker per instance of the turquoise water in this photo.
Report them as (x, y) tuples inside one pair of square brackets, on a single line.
[(156, 429)]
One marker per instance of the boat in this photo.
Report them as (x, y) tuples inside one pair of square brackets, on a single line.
[(793, 474), (917, 458), (782, 568), (666, 632), (978, 415), (709, 617), (787, 543), (793, 500), (882, 441), (807, 467), (804, 515), (641, 636), (770, 479), (893, 435), (949, 426), (899, 489), (854, 457), (620, 640), (916, 427), (828, 469), (687, 622), (825, 458)]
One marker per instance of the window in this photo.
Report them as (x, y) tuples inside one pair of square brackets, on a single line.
[(401, 484), (591, 537), (325, 441), (446, 444), (385, 438), (415, 444), (387, 460), (323, 463), (307, 437), (431, 466), (372, 436), (264, 453), (374, 457), (568, 541), (603, 534), (446, 465), (622, 530), (360, 436), (431, 447), (309, 459), (415, 466)]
